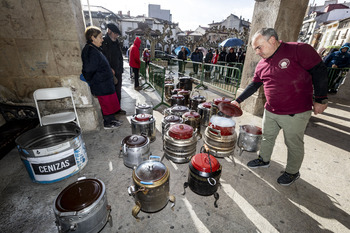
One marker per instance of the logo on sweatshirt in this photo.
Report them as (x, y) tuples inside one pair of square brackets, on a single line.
[(284, 63)]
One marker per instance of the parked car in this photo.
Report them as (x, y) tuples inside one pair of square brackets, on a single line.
[(163, 55)]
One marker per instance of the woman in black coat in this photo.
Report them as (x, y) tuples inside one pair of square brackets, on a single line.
[(98, 74)]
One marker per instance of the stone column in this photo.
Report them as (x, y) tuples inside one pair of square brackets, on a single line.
[(40, 47), (286, 18)]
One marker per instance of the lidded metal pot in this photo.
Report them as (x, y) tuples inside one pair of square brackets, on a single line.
[(185, 83), (186, 94), (204, 175), (171, 119), (144, 124), (135, 149), (204, 112), (175, 91), (195, 100), (220, 136), (177, 99), (193, 119), (179, 142), (151, 186), (177, 110), (168, 89), (82, 207), (144, 109), (249, 138), (169, 78)]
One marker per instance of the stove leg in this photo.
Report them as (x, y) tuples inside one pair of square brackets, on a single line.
[(185, 186), (240, 151), (216, 196)]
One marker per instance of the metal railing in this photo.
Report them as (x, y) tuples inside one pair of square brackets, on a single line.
[(336, 77), (223, 76), (154, 77)]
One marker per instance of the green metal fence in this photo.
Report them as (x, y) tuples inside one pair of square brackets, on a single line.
[(223, 76), (154, 77), (335, 78)]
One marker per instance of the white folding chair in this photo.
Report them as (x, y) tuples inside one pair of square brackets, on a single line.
[(56, 93)]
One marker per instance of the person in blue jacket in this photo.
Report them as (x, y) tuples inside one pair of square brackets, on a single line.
[(337, 60), (196, 57)]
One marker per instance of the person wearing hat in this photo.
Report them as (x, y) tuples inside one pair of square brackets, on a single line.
[(112, 50), (337, 60)]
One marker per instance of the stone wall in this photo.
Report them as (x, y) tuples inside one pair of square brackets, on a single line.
[(40, 47)]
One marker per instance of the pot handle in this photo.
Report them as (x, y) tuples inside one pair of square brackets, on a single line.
[(215, 130), (213, 183), (146, 183), (154, 157)]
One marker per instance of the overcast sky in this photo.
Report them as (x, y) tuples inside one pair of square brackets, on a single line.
[(188, 13)]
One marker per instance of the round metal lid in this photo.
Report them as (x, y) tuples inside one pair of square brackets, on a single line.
[(230, 109), (150, 171), (201, 163), (184, 78), (181, 131), (135, 140), (207, 104), (172, 118), (177, 96), (191, 114), (222, 99), (174, 91), (179, 108), (79, 195), (144, 106), (184, 92), (198, 97), (143, 117)]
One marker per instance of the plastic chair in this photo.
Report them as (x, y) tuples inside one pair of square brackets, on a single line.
[(56, 93)]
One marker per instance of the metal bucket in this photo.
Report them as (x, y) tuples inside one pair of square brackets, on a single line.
[(144, 109), (135, 149), (52, 153), (219, 145), (82, 207), (144, 124), (249, 138), (204, 111)]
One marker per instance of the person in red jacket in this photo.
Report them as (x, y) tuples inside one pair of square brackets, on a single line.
[(135, 62)]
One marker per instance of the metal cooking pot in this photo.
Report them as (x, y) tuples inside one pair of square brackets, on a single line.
[(144, 124), (168, 89), (180, 142), (171, 119), (204, 175), (144, 109), (177, 99), (82, 207), (204, 111), (135, 149), (186, 94), (185, 83), (193, 119), (151, 186), (219, 146), (249, 138), (177, 110), (195, 100), (224, 126)]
